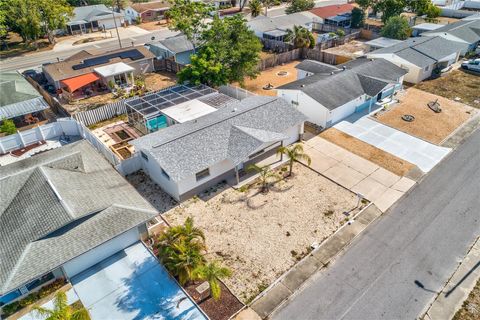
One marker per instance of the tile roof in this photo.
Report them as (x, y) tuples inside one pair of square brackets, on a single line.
[(232, 133), (361, 76), (58, 205), (65, 69), (332, 11)]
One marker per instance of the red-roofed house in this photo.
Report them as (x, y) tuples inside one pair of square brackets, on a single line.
[(337, 15)]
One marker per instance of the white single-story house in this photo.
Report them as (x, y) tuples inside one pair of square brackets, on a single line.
[(329, 97), (188, 158), (421, 56), (62, 212), (381, 42), (93, 18), (146, 11), (465, 32), (178, 47), (275, 28)]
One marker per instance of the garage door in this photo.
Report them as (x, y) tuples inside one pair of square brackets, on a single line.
[(100, 253), (342, 112)]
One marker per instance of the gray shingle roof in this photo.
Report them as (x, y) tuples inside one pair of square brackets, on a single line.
[(467, 30), (422, 51), (177, 44), (315, 66), (232, 133), (361, 76), (57, 205), (91, 13), (264, 24)]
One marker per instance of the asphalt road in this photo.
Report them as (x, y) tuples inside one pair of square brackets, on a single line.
[(36, 59), (394, 268)]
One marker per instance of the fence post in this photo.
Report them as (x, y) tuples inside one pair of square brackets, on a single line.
[(21, 138), (2, 148), (39, 130)]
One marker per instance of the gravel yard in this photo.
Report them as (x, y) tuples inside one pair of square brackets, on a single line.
[(367, 151), (158, 80), (260, 236), (428, 125)]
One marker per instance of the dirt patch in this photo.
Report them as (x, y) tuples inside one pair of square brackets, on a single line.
[(153, 25), (471, 307), (456, 84), (15, 46), (159, 80), (87, 40), (428, 125), (270, 76), (352, 49), (260, 236), (367, 151), (89, 103)]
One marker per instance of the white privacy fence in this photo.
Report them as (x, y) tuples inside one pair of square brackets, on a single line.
[(105, 112)]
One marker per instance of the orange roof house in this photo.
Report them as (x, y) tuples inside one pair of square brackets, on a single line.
[(335, 14)]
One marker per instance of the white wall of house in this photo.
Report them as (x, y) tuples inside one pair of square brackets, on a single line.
[(109, 23), (415, 73), (346, 110), (315, 112), (131, 15), (154, 171), (103, 251)]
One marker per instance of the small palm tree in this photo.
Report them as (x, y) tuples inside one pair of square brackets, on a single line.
[(300, 37), (255, 7), (295, 153), (265, 174), (213, 272), (188, 232), (61, 310)]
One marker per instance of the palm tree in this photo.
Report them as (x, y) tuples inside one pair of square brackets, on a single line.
[(265, 174), (212, 272), (61, 310), (294, 154), (255, 7), (181, 259), (188, 232), (300, 37)]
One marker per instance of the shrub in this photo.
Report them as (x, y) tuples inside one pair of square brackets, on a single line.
[(8, 127)]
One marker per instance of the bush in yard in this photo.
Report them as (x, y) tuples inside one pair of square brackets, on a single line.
[(138, 20), (358, 18), (299, 5), (340, 33), (397, 28), (8, 127), (255, 7), (61, 310)]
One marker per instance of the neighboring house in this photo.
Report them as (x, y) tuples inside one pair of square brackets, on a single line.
[(178, 47), (465, 32), (418, 29), (275, 28), (146, 11), (95, 71), (329, 97), (188, 158), (19, 100), (310, 67), (62, 212), (381, 42), (93, 18), (421, 56), (335, 15)]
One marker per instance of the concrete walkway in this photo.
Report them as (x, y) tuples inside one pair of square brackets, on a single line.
[(421, 153), (450, 300), (292, 280), (357, 174)]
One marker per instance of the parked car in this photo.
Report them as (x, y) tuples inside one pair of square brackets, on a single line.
[(472, 65)]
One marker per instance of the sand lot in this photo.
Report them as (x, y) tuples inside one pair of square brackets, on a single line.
[(261, 236), (428, 125)]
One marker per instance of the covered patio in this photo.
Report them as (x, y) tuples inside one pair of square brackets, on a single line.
[(120, 74), (82, 86)]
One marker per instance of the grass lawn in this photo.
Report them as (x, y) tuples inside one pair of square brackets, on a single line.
[(260, 236), (471, 307), (455, 84)]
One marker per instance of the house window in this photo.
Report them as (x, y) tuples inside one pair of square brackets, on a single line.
[(165, 174), (144, 156), (202, 174), (120, 79)]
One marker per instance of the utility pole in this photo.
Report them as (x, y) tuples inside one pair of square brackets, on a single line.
[(116, 28)]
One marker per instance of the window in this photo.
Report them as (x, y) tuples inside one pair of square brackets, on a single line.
[(165, 174), (144, 156), (202, 174)]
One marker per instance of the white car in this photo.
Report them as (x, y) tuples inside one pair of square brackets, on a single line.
[(472, 65)]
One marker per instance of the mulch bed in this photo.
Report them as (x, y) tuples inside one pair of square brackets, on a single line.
[(22, 151), (222, 309)]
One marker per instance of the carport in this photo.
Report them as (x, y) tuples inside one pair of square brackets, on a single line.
[(132, 284)]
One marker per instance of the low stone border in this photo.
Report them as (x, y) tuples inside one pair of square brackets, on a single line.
[(285, 286)]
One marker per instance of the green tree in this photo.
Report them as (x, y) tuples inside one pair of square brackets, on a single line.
[(300, 37), (358, 18), (212, 272), (433, 11), (189, 17), (23, 17), (295, 153), (340, 33), (8, 127), (389, 8), (54, 14), (61, 310), (364, 4), (255, 7), (188, 232), (299, 5), (204, 68), (266, 176), (396, 28)]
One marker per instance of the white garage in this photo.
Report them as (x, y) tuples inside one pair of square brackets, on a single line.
[(103, 251)]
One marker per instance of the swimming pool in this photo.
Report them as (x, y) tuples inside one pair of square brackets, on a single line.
[(156, 123)]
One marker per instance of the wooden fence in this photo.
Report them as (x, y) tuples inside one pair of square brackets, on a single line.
[(280, 58), (168, 65), (102, 113)]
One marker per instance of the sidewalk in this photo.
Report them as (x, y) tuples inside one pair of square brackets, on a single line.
[(456, 291), (291, 281)]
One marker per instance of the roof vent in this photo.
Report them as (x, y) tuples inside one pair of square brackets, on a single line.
[(332, 73), (344, 68), (234, 110), (302, 85)]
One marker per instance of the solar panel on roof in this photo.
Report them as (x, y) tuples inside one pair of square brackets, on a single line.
[(133, 54)]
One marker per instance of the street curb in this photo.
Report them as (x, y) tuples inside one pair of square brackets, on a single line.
[(279, 291)]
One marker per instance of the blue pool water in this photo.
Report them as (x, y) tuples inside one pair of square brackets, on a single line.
[(157, 123)]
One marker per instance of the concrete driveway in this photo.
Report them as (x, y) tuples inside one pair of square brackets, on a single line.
[(414, 150), (132, 284), (377, 184)]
